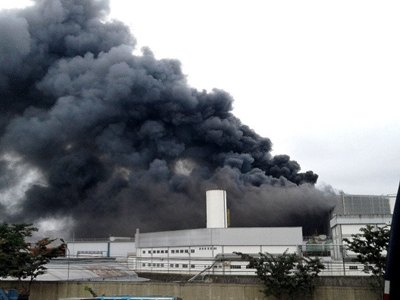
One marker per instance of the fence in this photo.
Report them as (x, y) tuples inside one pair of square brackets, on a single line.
[(229, 267), (337, 259), (227, 264)]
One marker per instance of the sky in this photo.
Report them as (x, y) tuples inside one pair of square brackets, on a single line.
[(319, 78)]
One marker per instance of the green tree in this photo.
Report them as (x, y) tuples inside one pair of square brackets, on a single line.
[(370, 246), (13, 246), (286, 275), (35, 260), (21, 259)]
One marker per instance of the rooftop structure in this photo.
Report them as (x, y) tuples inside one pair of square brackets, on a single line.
[(362, 205), (353, 212)]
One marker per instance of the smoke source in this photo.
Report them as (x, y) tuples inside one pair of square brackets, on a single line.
[(115, 141)]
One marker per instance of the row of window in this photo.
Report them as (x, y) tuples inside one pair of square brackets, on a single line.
[(366, 268), (182, 251), (184, 266), (231, 267), (171, 265), (208, 248), (173, 251)]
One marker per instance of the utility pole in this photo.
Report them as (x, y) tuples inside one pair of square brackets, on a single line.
[(392, 274)]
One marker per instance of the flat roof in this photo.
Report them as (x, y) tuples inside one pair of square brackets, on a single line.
[(90, 269)]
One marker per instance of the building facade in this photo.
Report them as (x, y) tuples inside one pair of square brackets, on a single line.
[(212, 250), (353, 212), (209, 249), (120, 247)]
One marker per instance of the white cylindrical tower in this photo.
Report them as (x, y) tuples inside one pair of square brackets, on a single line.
[(216, 209)]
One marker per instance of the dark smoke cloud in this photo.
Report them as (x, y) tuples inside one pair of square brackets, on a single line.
[(122, 141)]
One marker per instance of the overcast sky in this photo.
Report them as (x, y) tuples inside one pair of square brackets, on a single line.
[(321, 79)]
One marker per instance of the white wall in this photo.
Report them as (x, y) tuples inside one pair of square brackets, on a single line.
[(101, 249)]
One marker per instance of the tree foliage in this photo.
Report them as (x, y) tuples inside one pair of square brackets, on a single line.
[(286, 275), (13, 247), (36, 259), (21, 259), (370, 246)]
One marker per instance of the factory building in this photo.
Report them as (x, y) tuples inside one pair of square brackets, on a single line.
[(195, 250), (192, 251), (211, 250)]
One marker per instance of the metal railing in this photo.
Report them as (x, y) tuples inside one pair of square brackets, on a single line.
[(336, 259)]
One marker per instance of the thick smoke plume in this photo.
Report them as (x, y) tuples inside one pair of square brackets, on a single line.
[(115, 141)]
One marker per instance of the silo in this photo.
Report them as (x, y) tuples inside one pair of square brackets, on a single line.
[(216, 209)]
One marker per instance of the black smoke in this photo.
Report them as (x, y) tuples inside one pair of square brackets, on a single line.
[(121, 141)]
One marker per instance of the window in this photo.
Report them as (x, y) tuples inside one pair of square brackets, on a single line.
[(158, 251), (144, 252), (186, 251), (143, 264), (353, 267), (162, 251), (191, 250), (184, 266), (172, 251), (181, 251), (171, 265), (176, 265), (166, 251), (192, 266), (235, 267)]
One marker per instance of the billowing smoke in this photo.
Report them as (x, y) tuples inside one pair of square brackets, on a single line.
[(115, 141)]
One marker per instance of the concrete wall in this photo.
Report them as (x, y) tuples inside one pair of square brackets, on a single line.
[(344, 289)]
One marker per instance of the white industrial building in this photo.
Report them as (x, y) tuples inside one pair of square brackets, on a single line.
[(196, 250), (192, 251), (211, 250), (353, 212)]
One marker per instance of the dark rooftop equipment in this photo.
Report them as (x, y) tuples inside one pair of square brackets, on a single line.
[(362, 205)]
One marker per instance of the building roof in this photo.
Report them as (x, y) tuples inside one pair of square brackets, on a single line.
[(72, 269)]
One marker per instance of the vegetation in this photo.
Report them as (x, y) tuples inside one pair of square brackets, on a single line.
[(91, 291), (371, 247), (286, 275), (21, 259)]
